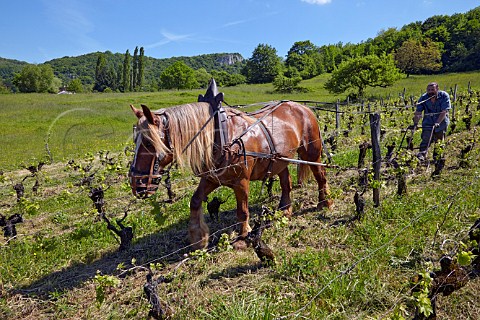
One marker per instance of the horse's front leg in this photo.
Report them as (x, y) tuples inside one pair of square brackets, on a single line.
[(286, 185), (241, 193), (197, 228)]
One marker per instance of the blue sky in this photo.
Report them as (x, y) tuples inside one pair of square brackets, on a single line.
[(40, 30)]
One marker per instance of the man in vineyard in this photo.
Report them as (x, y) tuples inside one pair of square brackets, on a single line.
[(434, 104)]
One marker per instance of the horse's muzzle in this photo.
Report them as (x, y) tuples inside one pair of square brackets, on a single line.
[(144, 185)]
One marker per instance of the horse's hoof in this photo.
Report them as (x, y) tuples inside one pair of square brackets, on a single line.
[(198, 234), (198, 242), (199, 245), (325, 204), (288, 213), (240, 245)]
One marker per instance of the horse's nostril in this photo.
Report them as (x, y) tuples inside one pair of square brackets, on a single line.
[(143, 192)]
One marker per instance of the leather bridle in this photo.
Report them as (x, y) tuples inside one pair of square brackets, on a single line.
[(144, 185)]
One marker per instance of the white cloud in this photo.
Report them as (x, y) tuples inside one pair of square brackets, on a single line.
[(72, 19), (234, 23), (170, 37), (198, 36), (319, 2), (70, 16)]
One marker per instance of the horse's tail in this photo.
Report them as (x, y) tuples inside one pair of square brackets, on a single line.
[(303, 173)]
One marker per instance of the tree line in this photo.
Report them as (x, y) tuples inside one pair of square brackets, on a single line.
[(439, 44), (108, 71), (128, 77)]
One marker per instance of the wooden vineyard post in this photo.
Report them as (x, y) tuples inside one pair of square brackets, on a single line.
[(454, 100), (377, 157), (337, 115)]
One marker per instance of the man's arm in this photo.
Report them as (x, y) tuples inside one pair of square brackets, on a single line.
[(419, 110), (441, 116), (445, 105)]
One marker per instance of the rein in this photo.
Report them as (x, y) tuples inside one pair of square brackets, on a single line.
[(199, 131), (430, 98)]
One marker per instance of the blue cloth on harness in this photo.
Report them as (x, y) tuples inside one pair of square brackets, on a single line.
[(431, 111)]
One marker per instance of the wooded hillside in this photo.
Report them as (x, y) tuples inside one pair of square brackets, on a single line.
[(439, 44)]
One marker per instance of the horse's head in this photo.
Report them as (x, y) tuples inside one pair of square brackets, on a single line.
[(152, 151)]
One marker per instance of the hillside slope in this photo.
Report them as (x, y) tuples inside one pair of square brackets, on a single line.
[(83, 67)]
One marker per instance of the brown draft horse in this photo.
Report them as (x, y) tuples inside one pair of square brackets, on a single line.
[(179, 133)]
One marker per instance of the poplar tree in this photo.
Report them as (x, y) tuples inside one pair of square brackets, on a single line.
[(141, 68), (105, 75), (100, 73), (135, 70), (126, 72)]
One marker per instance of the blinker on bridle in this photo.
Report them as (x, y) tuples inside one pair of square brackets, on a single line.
[(144, 185)]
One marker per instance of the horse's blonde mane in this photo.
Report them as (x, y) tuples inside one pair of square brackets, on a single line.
[(184, 121)]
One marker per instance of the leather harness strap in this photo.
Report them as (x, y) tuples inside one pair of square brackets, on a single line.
[(221, 139), (268, 135), (273, 151), (258, 121)]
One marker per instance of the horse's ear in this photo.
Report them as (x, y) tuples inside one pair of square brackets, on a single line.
[(149, 115), (138, 113)]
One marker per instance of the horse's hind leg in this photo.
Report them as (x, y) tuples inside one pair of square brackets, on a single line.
[(197, 228), (323, 190), (286, 185), (314, 155)]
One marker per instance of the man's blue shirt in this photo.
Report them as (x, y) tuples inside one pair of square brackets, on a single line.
[(431, 111)]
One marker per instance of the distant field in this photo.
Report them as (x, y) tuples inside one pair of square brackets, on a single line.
[(81, 123)]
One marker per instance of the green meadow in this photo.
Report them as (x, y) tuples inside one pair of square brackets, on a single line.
[(65, 263), (73, 125)]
